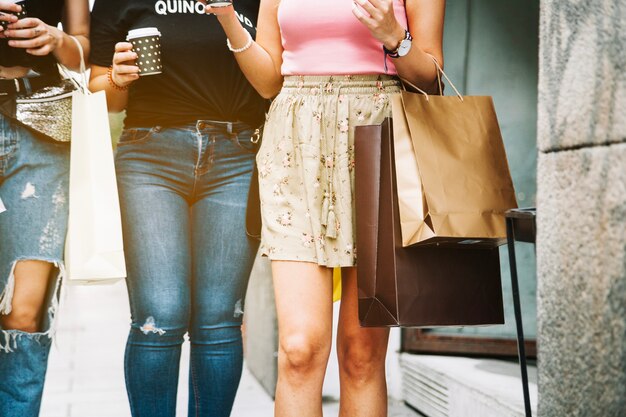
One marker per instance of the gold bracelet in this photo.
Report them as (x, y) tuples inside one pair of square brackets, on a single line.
[(112, 82)]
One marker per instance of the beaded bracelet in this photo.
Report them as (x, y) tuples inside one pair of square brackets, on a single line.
[(243, 48), (112, 82)]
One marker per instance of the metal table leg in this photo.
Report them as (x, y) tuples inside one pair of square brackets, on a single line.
[(521, 349)]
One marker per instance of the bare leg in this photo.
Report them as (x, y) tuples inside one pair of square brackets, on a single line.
[(361, 353), (31, 286), (304, 306)]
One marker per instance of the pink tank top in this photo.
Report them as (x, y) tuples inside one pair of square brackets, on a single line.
[(323, 37)]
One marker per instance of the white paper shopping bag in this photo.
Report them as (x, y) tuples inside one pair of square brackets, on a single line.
[(94, 251)]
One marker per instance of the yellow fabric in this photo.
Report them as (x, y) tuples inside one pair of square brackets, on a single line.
[(336, 284)]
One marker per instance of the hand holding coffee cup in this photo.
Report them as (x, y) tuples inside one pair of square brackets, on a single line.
[(124, 71), (146, 44), (219, 3), (218, 7), (33, 35), (10, 12)]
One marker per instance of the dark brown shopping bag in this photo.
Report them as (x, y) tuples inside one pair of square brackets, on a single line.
[(419, 285), (253, 209), (454, 184)]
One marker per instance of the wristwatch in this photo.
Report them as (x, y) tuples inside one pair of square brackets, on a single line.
[(403, 48)]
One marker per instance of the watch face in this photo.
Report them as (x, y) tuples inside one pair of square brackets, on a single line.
[(404, 48)]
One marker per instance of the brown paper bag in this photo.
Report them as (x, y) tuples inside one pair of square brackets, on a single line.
[(462, 170), (411, 200), (418, 285)]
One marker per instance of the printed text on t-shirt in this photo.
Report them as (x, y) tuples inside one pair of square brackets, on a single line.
[(165, 7)]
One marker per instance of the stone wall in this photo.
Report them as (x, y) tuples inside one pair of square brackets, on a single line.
[(581, 243)]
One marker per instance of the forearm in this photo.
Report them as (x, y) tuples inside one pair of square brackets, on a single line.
[(256, 63), (425, 22), (66, 52), (418, 68), (116, 99)]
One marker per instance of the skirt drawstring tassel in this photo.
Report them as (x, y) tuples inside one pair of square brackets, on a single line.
[(331, 224)]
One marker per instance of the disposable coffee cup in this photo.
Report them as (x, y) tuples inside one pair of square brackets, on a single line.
[(20, 15), (218, 3), (147, 45)]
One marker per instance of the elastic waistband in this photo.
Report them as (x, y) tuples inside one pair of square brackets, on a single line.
[(345, 83)]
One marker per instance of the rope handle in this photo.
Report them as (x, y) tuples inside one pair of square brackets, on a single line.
[(440, 72)]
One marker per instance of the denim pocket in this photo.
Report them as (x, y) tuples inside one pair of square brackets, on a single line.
[(136, 135), (244, 140)]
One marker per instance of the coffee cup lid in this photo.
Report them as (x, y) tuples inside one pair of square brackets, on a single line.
[(140, 33)]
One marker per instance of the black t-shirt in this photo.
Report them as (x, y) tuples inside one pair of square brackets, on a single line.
[(50, 12), (200, 78)]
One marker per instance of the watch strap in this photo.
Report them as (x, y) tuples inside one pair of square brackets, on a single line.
[(394, 53)]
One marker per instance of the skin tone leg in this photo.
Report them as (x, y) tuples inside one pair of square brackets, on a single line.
[(304, 306), (31, 286), (361, 353)]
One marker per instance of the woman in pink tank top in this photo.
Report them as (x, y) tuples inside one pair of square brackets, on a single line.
[(332, 65)]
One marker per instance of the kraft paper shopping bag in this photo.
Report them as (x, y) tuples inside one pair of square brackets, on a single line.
[(411, 200), (459, 167)]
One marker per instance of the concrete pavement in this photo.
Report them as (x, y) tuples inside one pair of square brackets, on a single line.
[(86, 376)]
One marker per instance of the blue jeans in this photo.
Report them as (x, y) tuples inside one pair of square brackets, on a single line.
[(183, 194), (34, 183)]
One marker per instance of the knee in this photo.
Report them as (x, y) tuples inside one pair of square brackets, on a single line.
[(163, 323), (220, 335), (361, 359), (21, 319), (303, 354)]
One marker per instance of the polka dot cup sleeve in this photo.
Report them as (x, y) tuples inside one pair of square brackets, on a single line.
[(147, 45), (20, 15)]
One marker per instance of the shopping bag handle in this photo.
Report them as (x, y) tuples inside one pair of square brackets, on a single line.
[(83, 69), (440, 72)]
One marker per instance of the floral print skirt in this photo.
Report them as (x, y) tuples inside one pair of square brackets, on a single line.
[(306, 165)]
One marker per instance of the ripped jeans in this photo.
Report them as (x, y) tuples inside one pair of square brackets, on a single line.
[(183, 193), (34, 181)]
